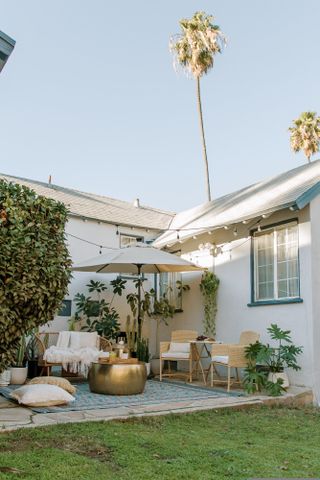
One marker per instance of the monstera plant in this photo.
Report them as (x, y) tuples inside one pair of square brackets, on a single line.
[(34, 264)]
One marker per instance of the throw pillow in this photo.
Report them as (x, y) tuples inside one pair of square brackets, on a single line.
[(59, 381), (180, 347), (41, 395)]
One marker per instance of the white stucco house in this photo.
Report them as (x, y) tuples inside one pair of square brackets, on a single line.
[(95, 223), (262, 241)]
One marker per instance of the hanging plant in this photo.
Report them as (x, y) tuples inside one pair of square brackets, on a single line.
[(209, 288)]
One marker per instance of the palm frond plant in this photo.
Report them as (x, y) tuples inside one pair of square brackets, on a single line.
[(305, 134), (194, 50)]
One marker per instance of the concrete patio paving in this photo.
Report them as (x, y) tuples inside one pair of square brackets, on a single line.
[(13, 416)]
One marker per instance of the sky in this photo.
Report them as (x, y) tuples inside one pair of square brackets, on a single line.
[(90, 96)]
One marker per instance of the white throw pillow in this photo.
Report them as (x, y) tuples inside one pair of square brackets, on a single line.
[(179, 347), (41, 395), (83, 339)]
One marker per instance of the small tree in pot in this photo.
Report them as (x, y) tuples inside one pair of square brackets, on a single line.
[(266, 364)]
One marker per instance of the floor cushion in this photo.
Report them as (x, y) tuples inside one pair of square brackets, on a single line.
[(41, 395), (60, 382)]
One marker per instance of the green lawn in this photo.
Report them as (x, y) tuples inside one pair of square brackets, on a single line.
[(259, 442)]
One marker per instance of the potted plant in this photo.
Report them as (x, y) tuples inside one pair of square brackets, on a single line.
[(284, 355), (143, 353), (98, 315), (5, 378), (266, 364), (19, 370), (32, 355)]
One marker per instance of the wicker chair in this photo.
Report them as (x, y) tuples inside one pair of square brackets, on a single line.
[(184, 354), (231, 356), (45, 340)]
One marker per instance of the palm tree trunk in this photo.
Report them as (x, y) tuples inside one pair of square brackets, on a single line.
[(204, 148)]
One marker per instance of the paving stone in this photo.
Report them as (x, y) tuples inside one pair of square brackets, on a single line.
[(15, 416), (5, 403)]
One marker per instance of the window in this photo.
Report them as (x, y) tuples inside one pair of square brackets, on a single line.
[(65, 310), (129, 240), (276, 263), (168, 286), (126, 241)]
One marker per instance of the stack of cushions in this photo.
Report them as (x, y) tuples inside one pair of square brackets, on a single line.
[(177, 350), (45, 392), (58, 381)]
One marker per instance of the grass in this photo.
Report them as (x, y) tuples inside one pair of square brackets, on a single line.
[(222, 444)]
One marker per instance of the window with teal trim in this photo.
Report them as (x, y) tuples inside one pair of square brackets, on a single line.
[(276, 263)]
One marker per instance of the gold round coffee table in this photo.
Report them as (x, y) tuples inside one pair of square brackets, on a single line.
[(117, 378)]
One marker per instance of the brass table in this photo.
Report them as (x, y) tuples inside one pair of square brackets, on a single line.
[(117, 378)]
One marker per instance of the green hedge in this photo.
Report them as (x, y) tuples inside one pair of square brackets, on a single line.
[(34, 263)]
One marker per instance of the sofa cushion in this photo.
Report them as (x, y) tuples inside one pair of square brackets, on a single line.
[(83, 339), (175, 355), (220, 359), (58, 381), (182, 347), (41, 395)]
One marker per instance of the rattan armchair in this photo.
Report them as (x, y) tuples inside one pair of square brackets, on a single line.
[(44, 340), (170, 351), (231, 356)]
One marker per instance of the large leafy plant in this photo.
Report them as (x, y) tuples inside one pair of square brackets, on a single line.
[(263, 359), (34, 264), (98, 314)]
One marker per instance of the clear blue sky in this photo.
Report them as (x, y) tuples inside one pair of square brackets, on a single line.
[(90, 96)]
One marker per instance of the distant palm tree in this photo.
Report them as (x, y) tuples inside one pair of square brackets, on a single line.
[(194, 51), (305, 134)]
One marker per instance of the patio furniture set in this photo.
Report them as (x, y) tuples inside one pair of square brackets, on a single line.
[(184, 347)]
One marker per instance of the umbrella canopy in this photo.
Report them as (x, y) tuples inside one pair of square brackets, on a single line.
[(138, 259)]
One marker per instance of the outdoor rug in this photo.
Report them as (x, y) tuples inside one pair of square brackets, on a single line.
[(155, 392)]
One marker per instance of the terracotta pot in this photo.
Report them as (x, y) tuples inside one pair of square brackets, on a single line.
[(273, 377), (18, 375)]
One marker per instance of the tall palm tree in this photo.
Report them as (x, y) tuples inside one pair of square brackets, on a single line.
[(194, 50), (305, 134)]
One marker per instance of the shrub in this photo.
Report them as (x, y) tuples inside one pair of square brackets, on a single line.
[(34, 264)]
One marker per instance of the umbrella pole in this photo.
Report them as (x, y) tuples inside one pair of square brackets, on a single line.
[(139, 302)]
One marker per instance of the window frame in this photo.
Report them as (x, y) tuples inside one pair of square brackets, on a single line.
[(127, 276), (278, 300), (178, 300)]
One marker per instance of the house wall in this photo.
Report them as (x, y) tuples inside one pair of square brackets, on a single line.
[(234, 314), (104, 234), (315, 277)]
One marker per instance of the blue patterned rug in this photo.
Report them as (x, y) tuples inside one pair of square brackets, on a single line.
[(154, 393)]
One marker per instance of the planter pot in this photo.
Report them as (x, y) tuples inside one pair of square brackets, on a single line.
[(5, 378), (155, 366), (33, 369), (18, 375), (273, 377), (148, 367)]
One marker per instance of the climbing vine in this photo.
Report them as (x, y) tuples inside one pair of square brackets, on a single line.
[(209, 288)]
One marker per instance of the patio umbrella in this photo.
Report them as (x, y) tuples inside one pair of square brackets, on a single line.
[(139, 259)]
